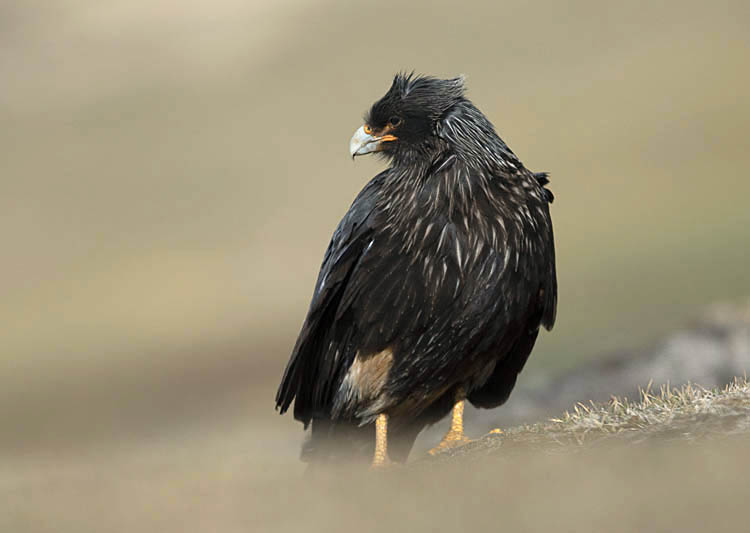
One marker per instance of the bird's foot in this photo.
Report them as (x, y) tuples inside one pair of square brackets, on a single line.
[(452, 439), (380, 464)]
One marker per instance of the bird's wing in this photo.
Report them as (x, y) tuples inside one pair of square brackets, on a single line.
[(312, 368), (369, 293)]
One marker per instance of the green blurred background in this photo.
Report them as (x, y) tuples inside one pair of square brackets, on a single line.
[(171, 172)]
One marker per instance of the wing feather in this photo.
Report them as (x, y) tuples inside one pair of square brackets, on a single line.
[(321, 348)]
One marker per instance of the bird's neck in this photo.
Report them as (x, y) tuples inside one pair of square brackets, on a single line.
[(439, 187)]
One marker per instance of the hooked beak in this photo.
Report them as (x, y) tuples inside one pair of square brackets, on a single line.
[(364, 142)]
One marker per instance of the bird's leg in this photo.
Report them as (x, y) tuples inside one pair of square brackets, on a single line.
[(381, 441), (455, 436)]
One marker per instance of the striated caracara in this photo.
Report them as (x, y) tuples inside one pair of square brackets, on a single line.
[(434, 286)]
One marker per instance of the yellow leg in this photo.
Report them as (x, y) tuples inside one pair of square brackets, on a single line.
[(381, 441), (455, 436)]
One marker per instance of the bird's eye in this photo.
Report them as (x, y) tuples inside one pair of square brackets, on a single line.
[(394, 121)]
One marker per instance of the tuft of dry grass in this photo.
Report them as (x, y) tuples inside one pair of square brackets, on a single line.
[(684, 413), (666, 406)]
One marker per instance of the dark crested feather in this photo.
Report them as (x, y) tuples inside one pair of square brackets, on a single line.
[(446, 259)]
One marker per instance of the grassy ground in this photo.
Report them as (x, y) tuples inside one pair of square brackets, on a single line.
[(670, 462), (686, 413)]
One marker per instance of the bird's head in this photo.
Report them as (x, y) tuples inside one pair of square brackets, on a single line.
[(406, 118)]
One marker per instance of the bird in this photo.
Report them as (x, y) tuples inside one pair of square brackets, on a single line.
[(433, 288)]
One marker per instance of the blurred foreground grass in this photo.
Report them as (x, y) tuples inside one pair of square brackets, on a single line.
[(579, 473)]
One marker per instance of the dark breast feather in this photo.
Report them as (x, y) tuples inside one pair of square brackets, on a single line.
[(541, 312), (499, 286)]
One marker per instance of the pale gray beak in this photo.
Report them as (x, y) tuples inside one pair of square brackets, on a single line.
[(363, 143)]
